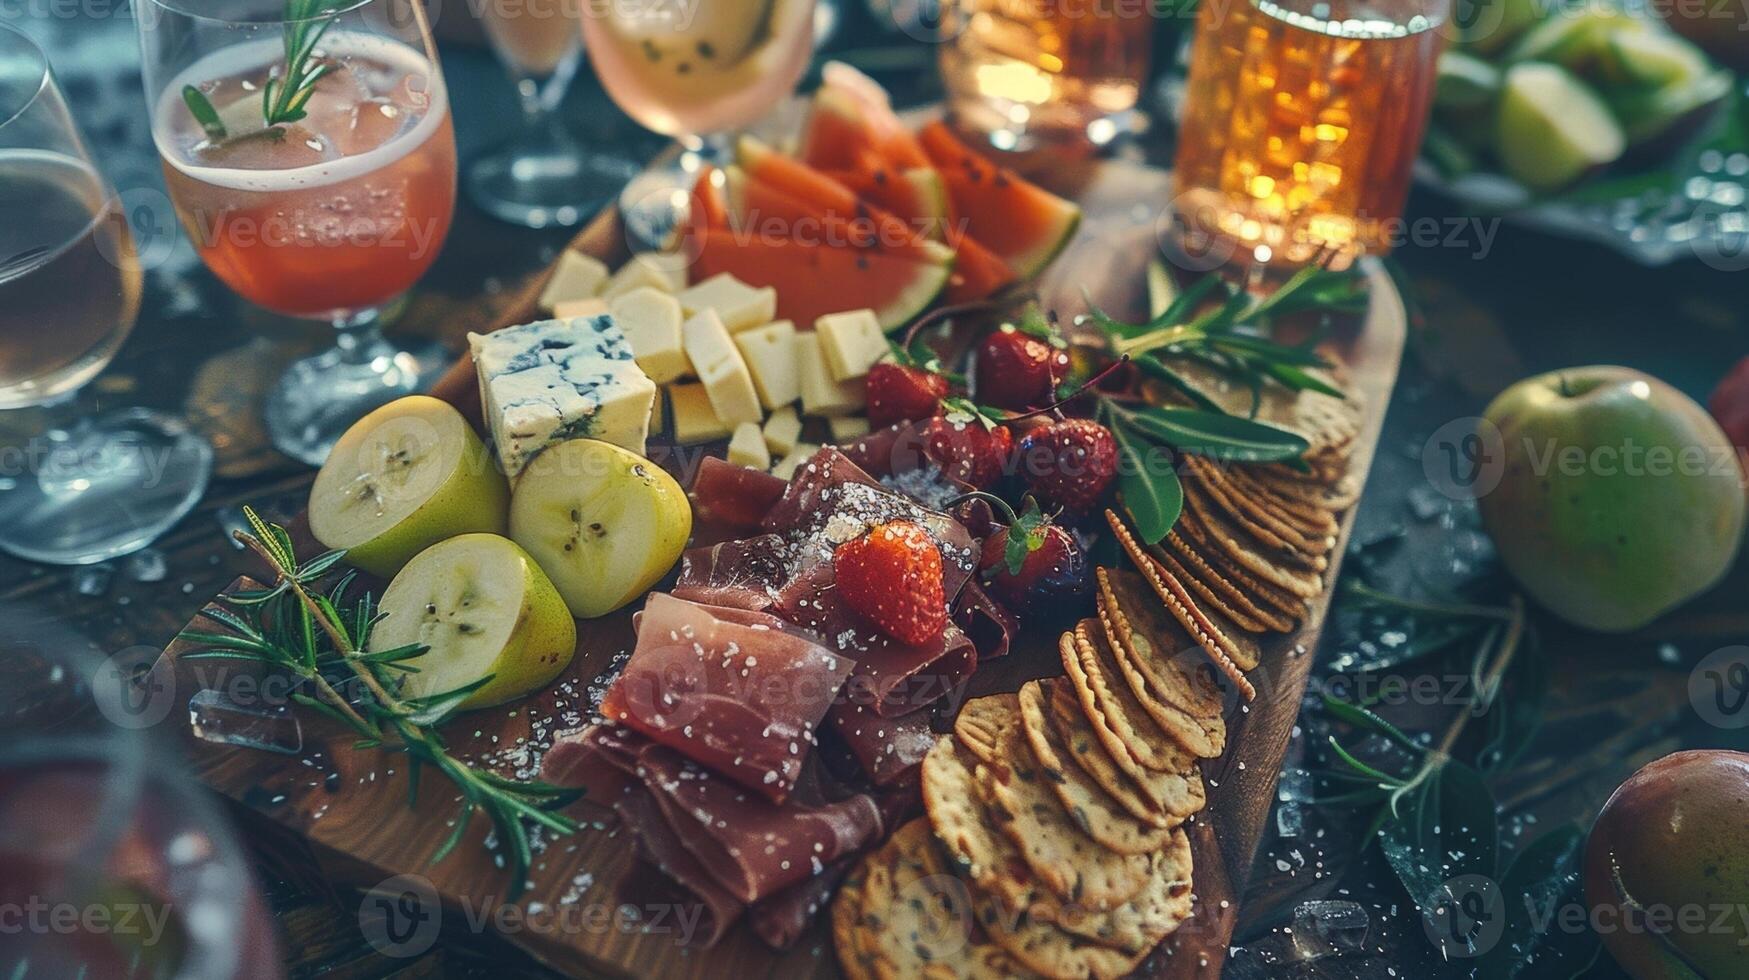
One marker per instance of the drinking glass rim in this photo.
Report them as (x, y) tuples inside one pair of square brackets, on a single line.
[(181, 9), (45, 76)]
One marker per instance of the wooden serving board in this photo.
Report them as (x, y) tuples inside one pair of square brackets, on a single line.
[(349, 810)]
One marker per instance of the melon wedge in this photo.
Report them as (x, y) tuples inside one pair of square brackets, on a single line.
[(814, 280), (1022, 223), (817, 189), (914, 195), (851, 119), (978, 273), (705, 210), (759, 209)]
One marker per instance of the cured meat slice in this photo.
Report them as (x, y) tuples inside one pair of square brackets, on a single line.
[(734, 496), (987, 622), (889, 750), (746, 574), (782, 919), (751, 846), (602, 759), (682, 876), (738, 697)]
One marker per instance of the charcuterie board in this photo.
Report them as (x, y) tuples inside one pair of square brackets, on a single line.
[(351, 810)]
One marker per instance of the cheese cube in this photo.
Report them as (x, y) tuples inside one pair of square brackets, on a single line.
[(770, 353), (576, 277), (747, 447), (546, 382), (650, 319), (731, 392), (821, 395), (694, 420), (658, 416), (739, 305), (783, 430), (573, 308), (853, 342), (847, 428), (707, 342), (793, 460), (661, 270)]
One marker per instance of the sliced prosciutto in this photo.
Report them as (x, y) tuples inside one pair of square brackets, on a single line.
[(889, 750), (731, 691), (987, 622)]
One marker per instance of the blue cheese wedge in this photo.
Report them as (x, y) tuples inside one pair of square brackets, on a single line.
[(545, 382)]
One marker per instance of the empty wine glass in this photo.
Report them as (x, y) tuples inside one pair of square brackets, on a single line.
[(696, 72), (70, 285), (543, 175), (308, 148)]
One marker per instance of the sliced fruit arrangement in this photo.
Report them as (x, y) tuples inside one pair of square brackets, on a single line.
[(1554, 96)]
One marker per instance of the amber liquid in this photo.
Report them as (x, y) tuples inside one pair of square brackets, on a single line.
[(1298, 134), (534, 36), (69, 276), (342, 211), (1047, 68)]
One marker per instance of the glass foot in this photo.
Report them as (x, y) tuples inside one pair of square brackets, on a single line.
[(654, 204), (318, 398), (541, 186), (102, 489)]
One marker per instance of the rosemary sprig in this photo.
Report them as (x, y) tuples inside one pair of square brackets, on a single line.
[(310, 634), (283, 96)]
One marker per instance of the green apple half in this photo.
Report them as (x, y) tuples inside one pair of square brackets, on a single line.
[(604, 522), (1619, 497), (1551, 129), (403, 478), (485, 609)]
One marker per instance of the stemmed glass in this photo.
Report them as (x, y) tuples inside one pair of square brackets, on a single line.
[(70, 286), (309, 152), (697, 72), (542, 176)]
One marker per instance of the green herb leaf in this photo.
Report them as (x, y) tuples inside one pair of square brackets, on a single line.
[(1147, 485), (201, 108), (1025, 536), (1543, 879), (1443, 828), (1224, 437)]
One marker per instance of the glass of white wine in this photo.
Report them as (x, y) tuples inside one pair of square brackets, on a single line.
[(70, 285)]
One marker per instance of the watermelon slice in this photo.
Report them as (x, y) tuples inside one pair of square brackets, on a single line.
[(759, 209), (813, 280), (851, 121), (705, 208), (1020, 222), (978, 273), (914, 195), (817, 189)]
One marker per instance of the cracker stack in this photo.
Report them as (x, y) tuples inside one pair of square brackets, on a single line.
[(1053, 843)]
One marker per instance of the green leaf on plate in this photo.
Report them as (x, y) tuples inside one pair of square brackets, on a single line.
[(1542, 881), (1444, 828), (1147, 484), (1224, 437)]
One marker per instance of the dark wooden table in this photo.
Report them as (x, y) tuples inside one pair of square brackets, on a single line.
[(1497, 303)]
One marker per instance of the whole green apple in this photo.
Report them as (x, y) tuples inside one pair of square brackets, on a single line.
[(1619, 498), (1667, 868)]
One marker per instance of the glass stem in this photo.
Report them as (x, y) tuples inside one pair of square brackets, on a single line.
[(359, 335)]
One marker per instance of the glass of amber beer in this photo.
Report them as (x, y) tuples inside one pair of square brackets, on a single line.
[(1301, 122)]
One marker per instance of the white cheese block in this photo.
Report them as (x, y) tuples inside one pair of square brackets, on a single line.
[(658, 412), (731, 392), (576, 277), (847, 428), (821, 395), (740, 306), (571, 309), (852, 342), (694, 419), (783, 430), (650, 319), (662, 270), (553, 380), (770, 353), (747, 447), (707, 342), (793, 460)]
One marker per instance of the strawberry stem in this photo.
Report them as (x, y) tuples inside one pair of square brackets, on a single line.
[(1085, 387), (991, 499)]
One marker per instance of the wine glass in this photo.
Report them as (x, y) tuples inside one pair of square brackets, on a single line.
[(542, 176), (98, 816), (70, 285), (309, 152), (696, 72)]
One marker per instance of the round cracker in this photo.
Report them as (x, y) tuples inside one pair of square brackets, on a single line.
[(1112, 812), (1070, 863), (1222, 646), (1121, 721), (1204, 738), (1163, 652), (1156, 911), (1041, 945), (982, 722), (957, 814), (847, 929), (1173, 794)]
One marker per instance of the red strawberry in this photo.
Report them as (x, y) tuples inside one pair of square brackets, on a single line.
[(1033, 564), (1020, 365), (1730, 404), (898, 393), (1070, 463), (970, 446), (892, 576)]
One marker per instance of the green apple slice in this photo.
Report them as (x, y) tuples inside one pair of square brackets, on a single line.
[(1465, 82), (1655, 58), (604, 522), (403, 478), (486, 611), (1552, 129), (1660, 113)]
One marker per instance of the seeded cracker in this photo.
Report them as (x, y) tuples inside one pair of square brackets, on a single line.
[(1117, 716), (1080, 750), (1243, 550), (957, 814), (1214, 589), (1098, 813), (1213, 483), (982, 722), (1173, 794), (1204, 738)]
